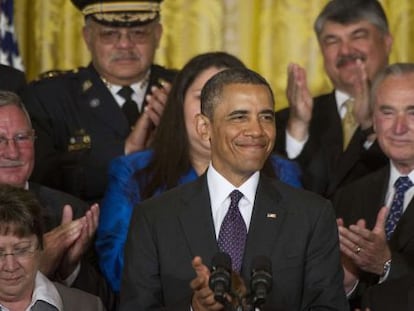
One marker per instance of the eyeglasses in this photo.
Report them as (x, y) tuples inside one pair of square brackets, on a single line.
[(20, 253), (135, 36), (21, 140)]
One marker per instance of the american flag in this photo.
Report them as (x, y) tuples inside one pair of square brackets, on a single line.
[(9, 52)]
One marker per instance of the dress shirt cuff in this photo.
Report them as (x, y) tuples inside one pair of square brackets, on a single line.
[(72, 277), (293, 146), (349, 293)]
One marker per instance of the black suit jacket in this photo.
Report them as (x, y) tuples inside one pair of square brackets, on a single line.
[(395, 295), (12, 79), (80, 128), (363, 199), (294, 228), (325, 165), (89, 278)]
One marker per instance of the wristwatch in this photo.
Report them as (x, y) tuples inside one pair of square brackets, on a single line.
[(387, 267)]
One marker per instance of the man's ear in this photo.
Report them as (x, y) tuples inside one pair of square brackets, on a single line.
[(87, 36), (203, 126)]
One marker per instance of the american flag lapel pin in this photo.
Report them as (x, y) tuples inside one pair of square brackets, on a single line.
[(271, 215)]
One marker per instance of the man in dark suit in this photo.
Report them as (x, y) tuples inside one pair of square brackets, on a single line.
[(376, 213), (11, 79), (86, 117), (69, 224), (173, 236), (355, 43)]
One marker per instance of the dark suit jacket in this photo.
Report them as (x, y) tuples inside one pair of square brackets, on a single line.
[(363, 199), (395, 295), (325, 165), (80, 128), (12, 79), (53, 201), (89, 278), (166, 233)]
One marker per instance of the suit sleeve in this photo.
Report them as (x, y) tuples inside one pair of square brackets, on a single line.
[(141, 283), (323, 284)]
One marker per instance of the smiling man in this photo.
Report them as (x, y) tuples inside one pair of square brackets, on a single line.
[(377, 242), (331, 135), (174, 236), (86, 117)]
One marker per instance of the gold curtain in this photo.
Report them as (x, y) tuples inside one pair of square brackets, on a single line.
[(265, 34)]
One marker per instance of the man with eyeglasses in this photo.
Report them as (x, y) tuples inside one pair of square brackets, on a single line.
[(86, 117), (69, 225)]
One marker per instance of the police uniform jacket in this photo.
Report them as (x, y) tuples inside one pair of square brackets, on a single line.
[(80, 128)]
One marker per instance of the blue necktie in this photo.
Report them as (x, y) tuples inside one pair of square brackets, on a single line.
[(233, 232), (402, 184)]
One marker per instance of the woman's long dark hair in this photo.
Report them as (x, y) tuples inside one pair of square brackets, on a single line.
[(171, 157)]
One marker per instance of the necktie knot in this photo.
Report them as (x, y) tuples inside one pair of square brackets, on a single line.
[(402, 184), (235, 197), (126, 92), (130, 107)]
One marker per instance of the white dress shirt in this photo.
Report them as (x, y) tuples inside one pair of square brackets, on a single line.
[(394, 175), (220, 188)]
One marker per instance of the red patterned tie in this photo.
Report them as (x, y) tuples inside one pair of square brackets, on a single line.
[(233, 232)]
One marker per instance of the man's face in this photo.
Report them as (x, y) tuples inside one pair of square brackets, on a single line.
[(342, 45), (242, 131), (122, 55), (18, 272), (16, 157), (394, 120)]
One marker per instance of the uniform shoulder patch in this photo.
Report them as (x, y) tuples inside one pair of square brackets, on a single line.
[(55, 73)]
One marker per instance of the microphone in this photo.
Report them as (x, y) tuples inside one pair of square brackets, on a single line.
[(261, 280), (220, 277)]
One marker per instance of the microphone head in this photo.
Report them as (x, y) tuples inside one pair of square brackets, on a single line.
[(220, 277), (261, 279)]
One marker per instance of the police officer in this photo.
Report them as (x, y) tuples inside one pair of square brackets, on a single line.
[(86, 117)]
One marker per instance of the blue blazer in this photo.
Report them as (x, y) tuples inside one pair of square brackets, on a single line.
[(123, 194)]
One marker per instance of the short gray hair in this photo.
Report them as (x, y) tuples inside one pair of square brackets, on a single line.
[(351, 11), (11, 99), (397, 69)]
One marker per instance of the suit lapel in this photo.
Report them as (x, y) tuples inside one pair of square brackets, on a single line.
[(404, 233), (267, 216), (197, 222)]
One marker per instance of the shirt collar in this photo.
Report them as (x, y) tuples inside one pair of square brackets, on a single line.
[(45, 290), (220, 188), (340, 98), (395, 174)]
